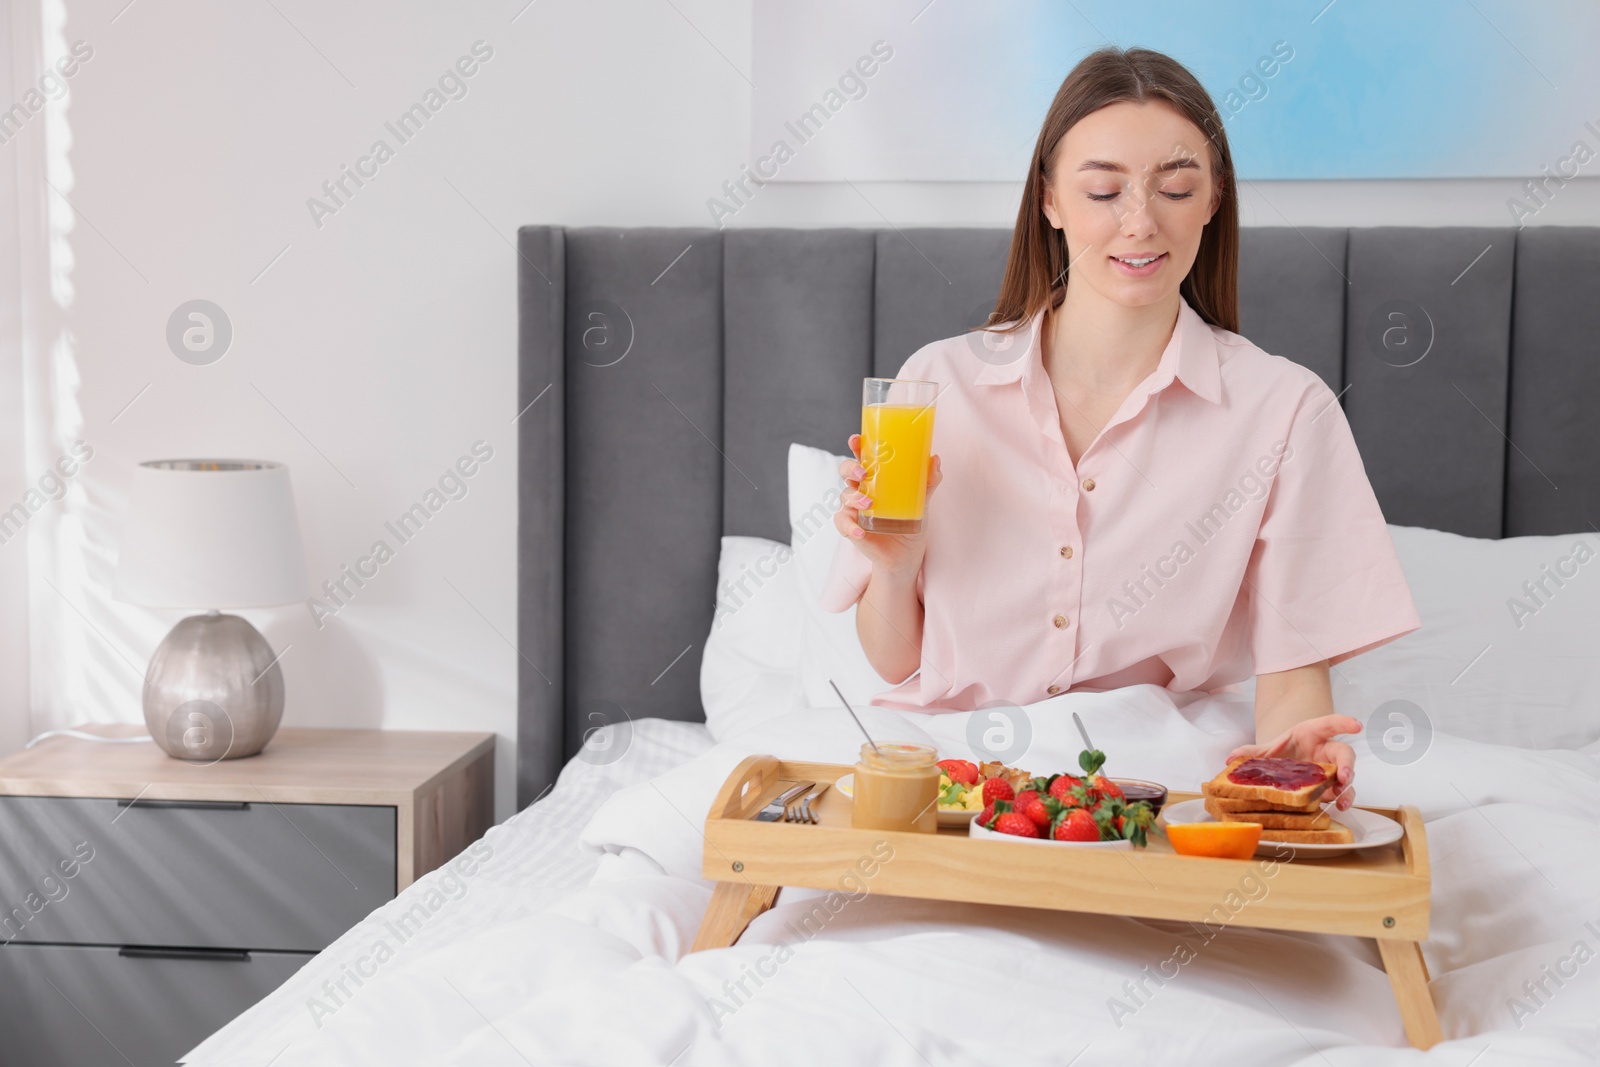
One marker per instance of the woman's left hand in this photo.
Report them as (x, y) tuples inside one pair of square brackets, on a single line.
[(1313, 740)]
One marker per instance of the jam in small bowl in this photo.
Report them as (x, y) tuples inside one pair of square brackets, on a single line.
[(1139, 789)]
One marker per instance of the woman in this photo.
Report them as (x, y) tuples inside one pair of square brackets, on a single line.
[(1137, 493)]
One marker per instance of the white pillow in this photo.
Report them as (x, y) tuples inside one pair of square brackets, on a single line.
[(749, 668), (1495, 660), (829, 647)]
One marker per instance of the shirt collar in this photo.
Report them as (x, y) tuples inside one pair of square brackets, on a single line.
[(1190, 356)]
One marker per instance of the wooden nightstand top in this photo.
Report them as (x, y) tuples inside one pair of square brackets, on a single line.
[(298, 766)]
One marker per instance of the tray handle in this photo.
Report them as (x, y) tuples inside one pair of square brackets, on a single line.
[(744, 791), (1415, 843)]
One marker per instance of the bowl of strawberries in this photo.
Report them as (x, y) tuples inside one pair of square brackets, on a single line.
[(1087, 810)]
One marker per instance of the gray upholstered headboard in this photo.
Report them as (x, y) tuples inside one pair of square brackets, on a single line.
[(668, 369)]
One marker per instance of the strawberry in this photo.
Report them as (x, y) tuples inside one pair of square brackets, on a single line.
[(1121, 820), (1105, 787), (1077, 825), (991, 812), (1098, 786), (1015, 823), (960, 770), (997, 789), (1080, 796), (1060, 786), (1029, 803)]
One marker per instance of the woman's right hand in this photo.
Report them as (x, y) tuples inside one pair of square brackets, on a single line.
[(895, 554)]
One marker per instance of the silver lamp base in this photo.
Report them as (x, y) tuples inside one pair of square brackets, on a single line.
[(214, 690)]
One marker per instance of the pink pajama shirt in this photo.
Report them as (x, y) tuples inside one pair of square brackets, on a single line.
[(1221, 525)]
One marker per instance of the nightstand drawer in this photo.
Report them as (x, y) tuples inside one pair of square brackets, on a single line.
[(286, 877), (73, 1006)]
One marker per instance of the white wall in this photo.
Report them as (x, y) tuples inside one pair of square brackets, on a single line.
[(13, 446), (381, 345)]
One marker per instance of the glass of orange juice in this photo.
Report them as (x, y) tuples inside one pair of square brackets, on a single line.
[(896, 442)]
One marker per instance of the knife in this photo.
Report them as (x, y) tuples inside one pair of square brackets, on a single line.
[(773, 812)]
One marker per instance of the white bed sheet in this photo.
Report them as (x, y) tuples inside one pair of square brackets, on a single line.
[(526, 967), (523, 866)]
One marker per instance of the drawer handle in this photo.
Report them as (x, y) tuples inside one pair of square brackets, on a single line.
[(218, 955), (200, 805)]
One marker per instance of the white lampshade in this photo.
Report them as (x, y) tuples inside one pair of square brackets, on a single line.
[(210, 533)]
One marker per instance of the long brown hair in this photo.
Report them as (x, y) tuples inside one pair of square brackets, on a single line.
[(1038, 258)]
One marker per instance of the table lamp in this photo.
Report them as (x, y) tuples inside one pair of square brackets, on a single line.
[(212, 534)]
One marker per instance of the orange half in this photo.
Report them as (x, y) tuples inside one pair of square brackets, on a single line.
[(1228, 840)]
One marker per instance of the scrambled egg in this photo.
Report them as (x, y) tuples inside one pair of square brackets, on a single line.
[(970, 798)]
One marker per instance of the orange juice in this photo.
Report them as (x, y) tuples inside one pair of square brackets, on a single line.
[(896, 440)]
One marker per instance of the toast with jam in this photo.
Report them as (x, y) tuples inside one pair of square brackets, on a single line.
[(1273, 781), (1282, 796)]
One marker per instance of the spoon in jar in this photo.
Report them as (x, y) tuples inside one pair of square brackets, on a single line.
[(1088, 744), (853, 715)]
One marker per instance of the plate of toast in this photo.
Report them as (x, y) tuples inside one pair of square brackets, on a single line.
[(1291, 800)]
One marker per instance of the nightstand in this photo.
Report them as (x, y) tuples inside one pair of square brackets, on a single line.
[(146, 901)]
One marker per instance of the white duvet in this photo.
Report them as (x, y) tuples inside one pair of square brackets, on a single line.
[(516, 964)]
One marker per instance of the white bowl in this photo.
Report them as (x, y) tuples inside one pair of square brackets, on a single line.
[(974, 830)]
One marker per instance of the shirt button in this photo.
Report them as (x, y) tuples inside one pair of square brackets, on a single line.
[(1053, 690), (1066, 551), (1088, 483), (1060, 621)]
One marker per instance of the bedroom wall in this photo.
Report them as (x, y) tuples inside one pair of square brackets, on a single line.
[(373, 335)]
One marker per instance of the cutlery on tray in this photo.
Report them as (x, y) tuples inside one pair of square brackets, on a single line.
[(778, 808), (802, 812)]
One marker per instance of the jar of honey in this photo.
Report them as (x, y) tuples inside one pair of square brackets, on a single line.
[(896, 788)]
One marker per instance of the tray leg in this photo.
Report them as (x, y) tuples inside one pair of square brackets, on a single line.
[(1408, 974), (733, 906)]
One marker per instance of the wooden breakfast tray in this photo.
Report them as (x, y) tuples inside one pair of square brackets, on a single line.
[(1381, 893)]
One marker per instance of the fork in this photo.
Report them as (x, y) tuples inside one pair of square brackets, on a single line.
[(798, 809), (804, 814)]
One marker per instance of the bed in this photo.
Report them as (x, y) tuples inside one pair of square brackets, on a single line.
[(683, 394)]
